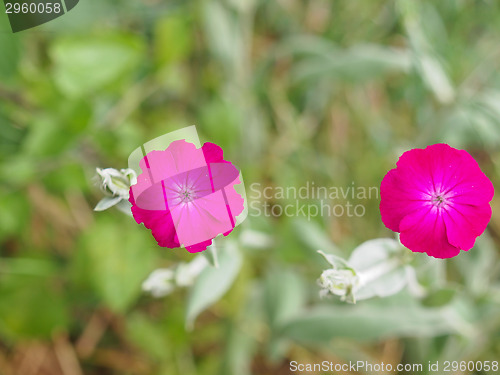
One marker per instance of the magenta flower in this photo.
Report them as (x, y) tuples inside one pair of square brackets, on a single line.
[(186, 195), (438, 199)]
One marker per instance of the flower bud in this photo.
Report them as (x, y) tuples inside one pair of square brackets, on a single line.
[(116, 183), (341, 282)]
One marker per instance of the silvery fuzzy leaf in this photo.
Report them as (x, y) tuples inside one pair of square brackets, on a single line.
[(211, 255), (373, 252), (399, 315), (213, 283), (335, 261), (380, 266), (125, 206), (106, 203)]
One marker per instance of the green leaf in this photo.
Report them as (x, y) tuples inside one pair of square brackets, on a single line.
[(27, 266), (86, 64), (116, 262), (10, 55), (285, 296), (426, 60), (11, 135), (242, 343), (313, 236), (320, 59), (478, 266), (71, 175), (221, 118), (11, 50), (173, 40), (15, 212), (20, 169), (222, 30), (45, 137), (31, 307), (213, 283), (146, 335), (240, 348), (439, 297)]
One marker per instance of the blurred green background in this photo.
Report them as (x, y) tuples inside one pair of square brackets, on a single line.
[(293, 91)]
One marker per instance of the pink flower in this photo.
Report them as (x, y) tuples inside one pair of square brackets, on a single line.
[(186, 195), (438, 199)]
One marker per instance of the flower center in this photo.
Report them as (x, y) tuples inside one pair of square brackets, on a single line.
[(186, 194), (439, 199)]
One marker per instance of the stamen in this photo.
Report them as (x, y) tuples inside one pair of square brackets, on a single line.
[(186, 194), (438, 199)]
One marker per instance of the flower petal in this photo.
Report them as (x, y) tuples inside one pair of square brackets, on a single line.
[(425, 231), (213, 153), (196, 248), (472, 187), (399, 197), (465, 223), (416, 167), (179, 157), (202, 219)]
